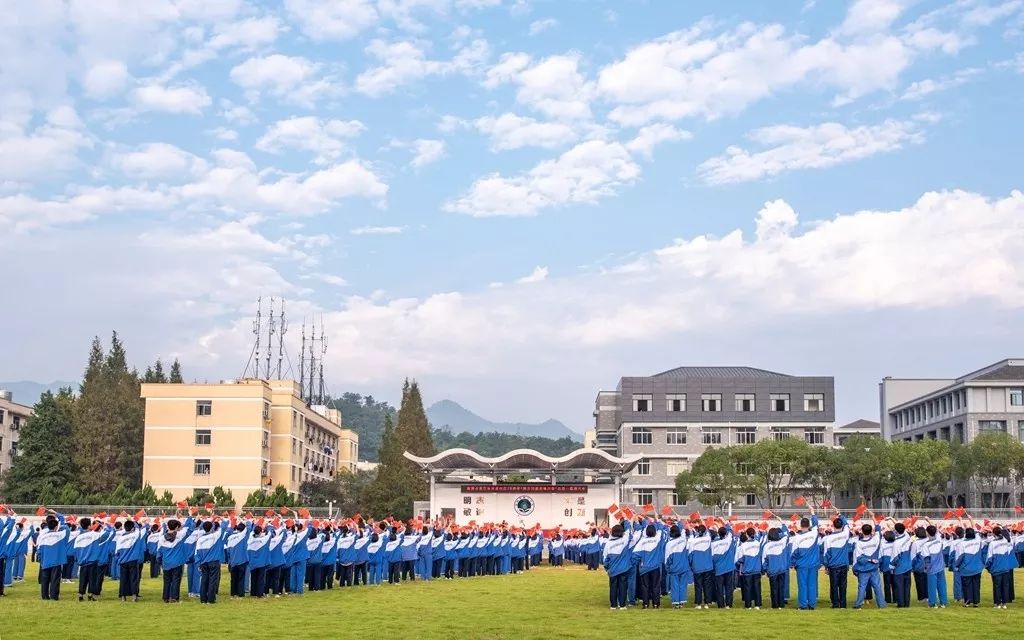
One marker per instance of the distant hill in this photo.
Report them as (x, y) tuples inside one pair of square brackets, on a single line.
[(27, 392), (452, 416)]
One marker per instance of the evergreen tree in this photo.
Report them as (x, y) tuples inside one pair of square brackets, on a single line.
[(176, 373), (413, 430), (45, 460), (155, 373)]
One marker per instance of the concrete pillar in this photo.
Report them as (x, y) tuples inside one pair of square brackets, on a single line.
[(433, 513)]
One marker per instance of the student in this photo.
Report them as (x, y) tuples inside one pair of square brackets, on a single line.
[(277, 566), (377, 554), (867, 554), (130, 546), (51, 543), (238, 557), (556, 549), (8, 542), (295, 554), (723, 557), (70, 567), (437, 553), (749, 557), (152, 542), (259, 560), (701, 563), (346, 557), (901, 565), (955, 542), (359, 570), (450, 546), (393, 549), (677, 565), (1000, 561), (806, 557), (26, 532), (775, 562), (648, 556), (885, 564), (917, 556), (88, 548), (835, 551), (935, 567), (970, 562), (172, 552), (618, 562), (209, 551)]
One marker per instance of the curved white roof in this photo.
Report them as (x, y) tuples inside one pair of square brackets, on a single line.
[(579, 460)]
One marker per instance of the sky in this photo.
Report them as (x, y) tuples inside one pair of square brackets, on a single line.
[(516, 202)]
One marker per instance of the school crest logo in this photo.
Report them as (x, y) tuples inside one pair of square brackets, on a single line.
[(524, 505)]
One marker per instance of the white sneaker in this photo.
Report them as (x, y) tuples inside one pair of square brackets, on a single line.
[(757, 608)]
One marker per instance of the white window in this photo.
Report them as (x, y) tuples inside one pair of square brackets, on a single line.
[(15, 423), (204, 407), (675, 436), (642, 435), (711, 402), (266, 439), (266, 411), (744, 468), (674, 467), (746, 435), (991, 425), (814, 402), (1017, 397), (642, 402), (751, 500), (814, 435), (643, 468), (643, 497), (675, 499), (203, 436), (780, 401), (675, 402), (201, 467), (744, 402), (780, 433), (711, 435)]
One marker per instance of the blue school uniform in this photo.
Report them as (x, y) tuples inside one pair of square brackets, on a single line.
[(806, 557)]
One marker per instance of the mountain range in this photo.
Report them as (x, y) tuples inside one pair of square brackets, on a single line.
[(451, 416), (27, 392)]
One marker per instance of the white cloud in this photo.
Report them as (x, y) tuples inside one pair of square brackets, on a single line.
[(585, 174), (539, 274), (985, 14), (376, 231), (339, 20), (871, 16), (553, 86), (652, 135), (403, 62), (292, 79), (331, 279), (183, 98), (510, 131), (223, 133), (540, 26), (230, 237), (449, 123), (923, 88), (793, 148), (328, 139), (159, 160), (105, 79), (426, 152), (52, 146)]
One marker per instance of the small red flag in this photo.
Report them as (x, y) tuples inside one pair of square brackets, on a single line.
[(666, 510), (767, 515), (763, 526), (627, 513), (826, 504), (613, 508), (861, 509), (284, 511), (648, 508), (961, 512), (303, 513), (709, 522), (181, 504), (794, 517), (41, 511), (1018, 509), (878, 518), (209, 507), (733, 518), (800, 501), (694, 516), (269, 513), (948, 515)]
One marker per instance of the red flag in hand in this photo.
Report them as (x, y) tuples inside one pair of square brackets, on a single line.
[(269, 513), (695, 516), (41, 511), (303, 513), (800, 501), (209, 507), (767, 515), (949, 515), (284, 511), (961, 512), (181, 504), (648, 508), (613, 508), (861, 509), (1018, 509), (826, 504), (794, 517), (666, 510)]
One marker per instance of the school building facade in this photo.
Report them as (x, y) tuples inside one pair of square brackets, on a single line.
[(13, 417), (671, 418), (244, 435)]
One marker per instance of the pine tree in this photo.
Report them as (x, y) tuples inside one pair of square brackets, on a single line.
[(155, 373), (413, 429), (94, 451), (46, 450), (176, 372)]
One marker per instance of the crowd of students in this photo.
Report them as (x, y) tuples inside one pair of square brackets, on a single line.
[(647, 558), (273, 555)]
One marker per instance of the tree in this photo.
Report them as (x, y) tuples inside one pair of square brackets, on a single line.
[(365, 416), (222, 497), (989, 460), (347, 491), (175, 377), (391, 492), (815, 473), (713, 480), (46, 458), (496, 443), (863, 467), (155, 373), (918, 469), (768, 465)]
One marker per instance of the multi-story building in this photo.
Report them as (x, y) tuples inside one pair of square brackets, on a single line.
[(13, 417), (955, 409), (856, 428), (672, 417), (243, 435)]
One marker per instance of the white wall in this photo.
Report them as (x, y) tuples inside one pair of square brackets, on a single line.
[(549, 508)]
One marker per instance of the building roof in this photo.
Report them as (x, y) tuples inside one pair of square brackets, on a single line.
[(719, 372), (525, 459), (1006, 372), (860, 425)]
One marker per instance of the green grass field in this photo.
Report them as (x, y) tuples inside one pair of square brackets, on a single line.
[(544, 603)]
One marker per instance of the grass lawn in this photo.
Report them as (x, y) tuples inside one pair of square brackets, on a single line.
[(544, 603)]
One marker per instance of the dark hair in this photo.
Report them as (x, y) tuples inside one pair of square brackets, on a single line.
[(722, 531), (618, 531), (52, 523), (969, 533), (837, 523), (129, 525), (805, 523), (208, 526), (866, 529), (750, 532), (900, 528), (889, 536), (920, 532), (85, 523), (650, 531), (240, 526), (118, 525), (931, 530), (173, 524)]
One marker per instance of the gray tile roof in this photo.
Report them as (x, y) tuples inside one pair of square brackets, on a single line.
[(1009, 372), (719, 372), (860, 425)]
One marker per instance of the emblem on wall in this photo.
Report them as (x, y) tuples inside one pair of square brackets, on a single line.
[(524, 505)]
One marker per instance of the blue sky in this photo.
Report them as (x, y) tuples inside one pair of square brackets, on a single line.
[(517, 201)]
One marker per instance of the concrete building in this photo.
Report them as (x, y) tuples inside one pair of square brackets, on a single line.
[(955, 409), (13, 417), (243, 435), (856, 428), (671, 418)]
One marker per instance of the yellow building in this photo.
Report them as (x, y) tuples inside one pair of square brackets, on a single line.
[(13, 417), (243, 435)]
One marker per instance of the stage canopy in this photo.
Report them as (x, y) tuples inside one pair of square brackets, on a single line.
[(525, 461)]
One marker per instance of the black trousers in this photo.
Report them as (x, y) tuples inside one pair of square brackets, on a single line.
[(971, 587), (258, 582), (359, 574), (154, 567), (394, 572), (436, 567), (313, 576), (921, 585), (238, 580), (901, 589), (837, 586), (617, 588), (67, 569), (49, 582), (90, 576), (128, 585), (703, 587), (751, 590), (344, 575), (284, 575), (777, 590), (172, 584), (887, 587), (648, 588), (408, 570), (209, 582), (725, 587), (1001, 588), (449, 569), (3, 570)]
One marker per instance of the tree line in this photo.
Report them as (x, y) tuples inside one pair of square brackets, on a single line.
[(922, 474), (86, 448)]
